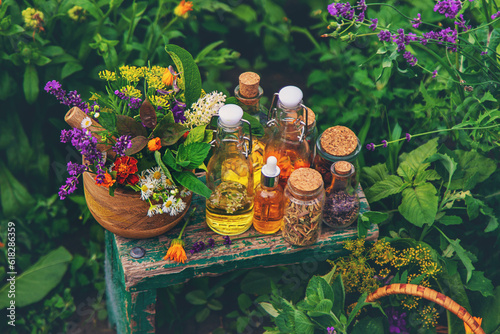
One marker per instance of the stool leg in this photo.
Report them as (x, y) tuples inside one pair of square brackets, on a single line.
[(131, 312)]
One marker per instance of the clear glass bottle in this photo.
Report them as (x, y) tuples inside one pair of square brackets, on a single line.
[(268, 203), (337, 143), (312, 132), (304, 200), (248, 92), (342, 202), (288, 144), (229, 210)]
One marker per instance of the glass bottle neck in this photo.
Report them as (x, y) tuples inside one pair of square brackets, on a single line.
[(229, 136), (250, 105), (342, 183)]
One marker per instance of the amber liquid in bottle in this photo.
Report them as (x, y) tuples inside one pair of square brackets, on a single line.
[(268, 209)]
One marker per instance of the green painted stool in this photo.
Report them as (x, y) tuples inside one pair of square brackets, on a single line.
[(131, 283)]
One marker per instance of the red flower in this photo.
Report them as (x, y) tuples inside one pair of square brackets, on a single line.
[(126, 167)]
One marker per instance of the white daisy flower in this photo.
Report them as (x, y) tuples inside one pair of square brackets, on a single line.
[(168, 204), (177, 207), (154, 209), (110, 169), (157, 175), (147, 187), (86, 122)]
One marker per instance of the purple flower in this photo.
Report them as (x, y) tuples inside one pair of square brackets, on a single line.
[(341, 10), (227, 240), (331, 330), (178, 111), (397, 322), (416, 21), (384, 142), (484, 53), (73, 99), (135, 103), (408, 137), (449, 8), (373, 26), (75, 169), (120, 94), (434, 74), (495, 16), (410, 58), (123, 143), (370, 147), (52, 86), (68, 188), (384, 36), (461, 23), (402, 39), (211, 243)]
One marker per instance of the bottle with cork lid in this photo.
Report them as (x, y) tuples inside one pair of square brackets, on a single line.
[(268, 203), (288, 144), (342, 202), (249, 92), (229, 210), (304, 200), (312, 131), (337, 143)]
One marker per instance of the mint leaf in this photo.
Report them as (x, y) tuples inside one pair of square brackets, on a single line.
[(302, 323), (169, 160), (374, 174), (448, 163), (192, 155), (382, 189), (420, 204), (473, 205), (470, 163), (196, 135), (413, 162), (190, 181), (190, 81)]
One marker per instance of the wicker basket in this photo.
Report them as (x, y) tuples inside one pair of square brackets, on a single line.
[(429, 294)]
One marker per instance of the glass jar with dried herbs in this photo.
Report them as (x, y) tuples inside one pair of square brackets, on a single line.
[(337, 143), (341, 207), (304, 199)]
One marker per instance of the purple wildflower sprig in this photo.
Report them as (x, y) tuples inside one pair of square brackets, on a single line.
[(226, 240), (123, 143), (408, 137), (71, 99)]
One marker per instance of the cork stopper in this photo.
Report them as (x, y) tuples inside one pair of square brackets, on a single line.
[(311, 116), (306, 179), (339, 141), (343, 167), (249, 84)]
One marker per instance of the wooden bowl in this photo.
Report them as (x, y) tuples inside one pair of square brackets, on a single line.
[(125, 214)]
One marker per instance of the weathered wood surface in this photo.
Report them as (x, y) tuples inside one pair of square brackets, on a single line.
[(151, 271), (125, 213)]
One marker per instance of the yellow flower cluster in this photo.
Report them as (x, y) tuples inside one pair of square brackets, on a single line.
[(153, 77), (131, 91), (131, 73), (429, 316), (77, 14), (160, 101), (29, 15)]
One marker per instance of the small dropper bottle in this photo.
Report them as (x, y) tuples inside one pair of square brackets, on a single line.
[(268, 201)]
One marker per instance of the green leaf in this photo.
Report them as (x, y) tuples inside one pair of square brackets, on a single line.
[(39, 279), (302, 323), (190, 75), (374, 174), (245, 13), (376, 217), (448, 163), (194, 154), (169, 160), (258, 282), (169, 131), (339, 296), (30, 84), (197, 297), (108, 120), (241, 324), (473, 206), (492, 224), (490, 312), (450, 220), (148, 114), (214, 305), (369, 325), (138, 143), (126, 125), (257, 128), (203, 53), (382, 189), (420, 204), (462, 255), (196, 135), (413, 162), (162, 166), (42, 61), (488, 97), (14, 197), (481, 284), (202, 315), (269, 309), (244, 302), (471, 163), (69, 68), (190, 181)]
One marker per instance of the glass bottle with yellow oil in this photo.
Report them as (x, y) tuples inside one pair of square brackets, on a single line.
[(249, 92), (229, 210), (269, 199), (288, 144)]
